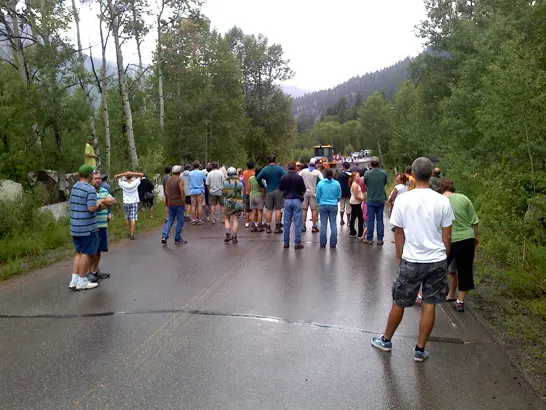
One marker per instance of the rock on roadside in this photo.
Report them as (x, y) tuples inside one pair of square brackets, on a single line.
[(10, 190)]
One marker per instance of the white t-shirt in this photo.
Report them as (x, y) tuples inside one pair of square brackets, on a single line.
[(400, 189), (311, 180), (422, 213), (130, 190)]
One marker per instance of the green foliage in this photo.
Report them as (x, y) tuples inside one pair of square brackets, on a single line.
[(478, 106), (26, 232)]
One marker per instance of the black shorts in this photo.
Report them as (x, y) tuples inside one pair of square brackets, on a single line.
[(188, 200), (462, 252), (411, 276)]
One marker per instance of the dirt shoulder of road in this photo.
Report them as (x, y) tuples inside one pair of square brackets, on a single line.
[(518, 332)]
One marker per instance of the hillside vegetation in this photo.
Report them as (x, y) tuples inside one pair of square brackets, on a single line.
[(313, 106)]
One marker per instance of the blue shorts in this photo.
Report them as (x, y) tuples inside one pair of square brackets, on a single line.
[(87, 245), (103, 239)]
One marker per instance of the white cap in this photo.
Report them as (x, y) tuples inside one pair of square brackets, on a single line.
[(312, 161), (177, 169), (231, 171)]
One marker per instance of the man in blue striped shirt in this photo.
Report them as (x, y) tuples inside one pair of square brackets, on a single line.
[(84, 228)]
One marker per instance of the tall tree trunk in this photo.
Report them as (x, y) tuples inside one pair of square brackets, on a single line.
[(86, 95), (160, 75), (19, 58), (17, 42), (123, 85), (139, 51), (104, 98)]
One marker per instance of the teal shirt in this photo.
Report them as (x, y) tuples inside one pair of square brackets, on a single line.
[(376, 180), (102, 216), (272, 175), (328, 192)]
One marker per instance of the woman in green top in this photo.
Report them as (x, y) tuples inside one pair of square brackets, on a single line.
[(464, 240)]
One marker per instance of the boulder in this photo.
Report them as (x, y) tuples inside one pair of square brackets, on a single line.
[(67, 181), (58, 211), (10, 190), (49, 181), (157, 179), (158, 192)]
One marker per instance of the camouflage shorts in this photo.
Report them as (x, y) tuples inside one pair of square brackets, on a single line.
[(411, 276)]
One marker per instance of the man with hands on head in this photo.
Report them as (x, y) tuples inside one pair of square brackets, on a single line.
[(129, 182)]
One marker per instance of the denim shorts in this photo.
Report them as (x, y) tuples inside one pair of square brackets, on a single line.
[(87, 245), (411, 276), (103, 240)]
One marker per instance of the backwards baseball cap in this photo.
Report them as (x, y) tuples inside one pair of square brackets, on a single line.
[(313, 161), (177, 169), (85, 170), (90, 138)]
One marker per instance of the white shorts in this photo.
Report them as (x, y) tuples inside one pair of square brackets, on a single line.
[(345, 205)]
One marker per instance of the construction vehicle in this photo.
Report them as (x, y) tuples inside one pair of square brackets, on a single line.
[(324, 154)]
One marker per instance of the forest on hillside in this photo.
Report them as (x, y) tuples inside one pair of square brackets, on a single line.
[(206, 95), (311, 107)]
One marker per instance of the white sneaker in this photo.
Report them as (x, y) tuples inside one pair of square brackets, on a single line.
[(72, 284), (247, 225), (85, 285)]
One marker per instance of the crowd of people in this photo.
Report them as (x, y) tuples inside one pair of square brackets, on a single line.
[(435, 228)]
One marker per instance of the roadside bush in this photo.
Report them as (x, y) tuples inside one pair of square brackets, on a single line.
[(512, 241), (25, 230), (20, 213)]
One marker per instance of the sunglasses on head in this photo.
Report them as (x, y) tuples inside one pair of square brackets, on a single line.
[(96, 171)]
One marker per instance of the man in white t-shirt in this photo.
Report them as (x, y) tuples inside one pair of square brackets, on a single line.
[(423, 219), (311, 177), (129, 182), (215, 182)]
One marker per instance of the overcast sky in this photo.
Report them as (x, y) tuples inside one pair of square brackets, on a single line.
[(327, 41)]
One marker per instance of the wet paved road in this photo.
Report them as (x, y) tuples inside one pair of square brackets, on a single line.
[(210, 326)]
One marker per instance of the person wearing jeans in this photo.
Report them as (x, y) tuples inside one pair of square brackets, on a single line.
[(293, 209), (328, 196), (293, 188), (175, 212), (376, 180), (176, 197), (375, 213)]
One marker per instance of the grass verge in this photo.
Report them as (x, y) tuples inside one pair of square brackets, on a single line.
[(518, 324), (47, 241)]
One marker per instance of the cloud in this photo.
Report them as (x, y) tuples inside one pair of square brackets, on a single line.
[(327, 42)]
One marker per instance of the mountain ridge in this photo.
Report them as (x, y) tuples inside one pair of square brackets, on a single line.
[(310, 107)]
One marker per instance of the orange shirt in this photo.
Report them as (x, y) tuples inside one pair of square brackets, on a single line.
[(246, 176)]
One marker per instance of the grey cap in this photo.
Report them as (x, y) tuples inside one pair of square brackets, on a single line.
[(177, 169)]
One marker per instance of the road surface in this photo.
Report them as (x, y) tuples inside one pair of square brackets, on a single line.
[(252, 326)]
